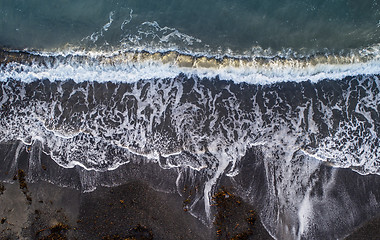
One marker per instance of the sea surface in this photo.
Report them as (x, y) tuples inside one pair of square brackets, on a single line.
[(198, 87)]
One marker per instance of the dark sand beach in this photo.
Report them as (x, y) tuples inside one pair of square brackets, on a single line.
[(130, 211), (147, 206), (369, 230), (134, 210)]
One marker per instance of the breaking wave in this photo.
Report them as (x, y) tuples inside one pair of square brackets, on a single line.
[(128, 66)]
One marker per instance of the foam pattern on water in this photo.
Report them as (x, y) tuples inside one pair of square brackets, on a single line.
[(131, 66), (148, 34), (338, 125), (205, 125)]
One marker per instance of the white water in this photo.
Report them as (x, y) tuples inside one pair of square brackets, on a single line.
[(131, 67), (208, 138)]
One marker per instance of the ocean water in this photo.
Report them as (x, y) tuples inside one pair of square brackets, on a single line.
[(197, 87), (219, 26)]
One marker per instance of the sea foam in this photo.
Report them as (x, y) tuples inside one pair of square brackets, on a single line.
[(133, 66), (100, 111)]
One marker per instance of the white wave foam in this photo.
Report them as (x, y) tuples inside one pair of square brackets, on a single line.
[(96, 35), (127, 20), (129, 67), (148, 34), (200, 129), (165, 34)]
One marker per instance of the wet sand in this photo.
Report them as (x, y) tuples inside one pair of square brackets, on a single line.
[(147, 205), (133, 211), (369, 231), (106, 213)]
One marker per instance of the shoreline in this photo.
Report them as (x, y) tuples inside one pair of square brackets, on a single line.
[(133, 209), (130, 210), (148, 201), (132, 66)]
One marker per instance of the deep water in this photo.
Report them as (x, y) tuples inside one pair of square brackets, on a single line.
[(219, 26)]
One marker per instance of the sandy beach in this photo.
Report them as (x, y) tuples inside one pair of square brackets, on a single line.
[(130, 211)]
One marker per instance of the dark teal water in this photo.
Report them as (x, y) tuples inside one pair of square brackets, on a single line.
[(197, 25)]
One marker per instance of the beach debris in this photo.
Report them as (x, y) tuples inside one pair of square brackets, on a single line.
[(56, 231), (251, 219), (2, 188), (23, 186), (231, 220), (139, 232), (189, 193)]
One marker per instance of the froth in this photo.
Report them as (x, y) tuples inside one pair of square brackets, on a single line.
[(133, 66), (203, 128)]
